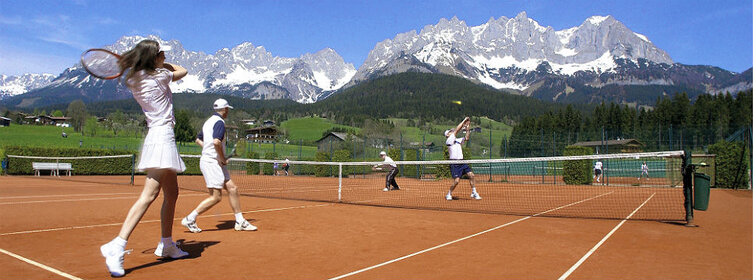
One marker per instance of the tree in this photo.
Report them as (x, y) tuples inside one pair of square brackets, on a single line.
[(183, 129), (57, 113), (78, 113), (116, 121), (90, 126)]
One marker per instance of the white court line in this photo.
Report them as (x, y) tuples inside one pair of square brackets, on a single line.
[(50, 269), (154, 221), (64, 195), (590, 252), (463, 238), (83, 199)]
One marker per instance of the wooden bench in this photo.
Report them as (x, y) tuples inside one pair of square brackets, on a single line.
[(54, 167)]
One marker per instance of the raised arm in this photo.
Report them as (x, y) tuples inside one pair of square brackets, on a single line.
[(460, 125), (178, 71)]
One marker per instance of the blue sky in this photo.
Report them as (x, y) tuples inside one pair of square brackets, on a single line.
[(49, 36)]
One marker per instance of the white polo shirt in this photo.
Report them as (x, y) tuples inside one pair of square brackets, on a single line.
[(455, 146), (598, 165)]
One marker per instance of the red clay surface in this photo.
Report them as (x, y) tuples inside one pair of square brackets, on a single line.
[(62, 223)]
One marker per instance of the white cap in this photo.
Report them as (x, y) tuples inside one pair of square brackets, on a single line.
[(446, 133), (220, 104), (383, 153), (165, 48)]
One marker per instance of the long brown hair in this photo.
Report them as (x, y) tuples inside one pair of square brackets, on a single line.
[(141, 57)]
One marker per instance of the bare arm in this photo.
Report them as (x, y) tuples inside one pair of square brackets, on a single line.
[(219, 150), (199, 142), (461, 125), (467, 131), (178, 71)]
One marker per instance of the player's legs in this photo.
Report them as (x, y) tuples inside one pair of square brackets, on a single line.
[(169, 184), (149, 193), (392, 178), (233, 196), (474, 193), (214, 196)]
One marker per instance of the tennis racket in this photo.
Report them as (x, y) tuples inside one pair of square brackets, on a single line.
[(232, 153), (235, 139), (101, 63)]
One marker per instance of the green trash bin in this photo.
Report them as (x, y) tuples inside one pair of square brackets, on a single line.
[(701, 184)]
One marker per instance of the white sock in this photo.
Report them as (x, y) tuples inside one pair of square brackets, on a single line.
[(166, 240), (473, 190), (192, 216), (120, 242), (239, 218)]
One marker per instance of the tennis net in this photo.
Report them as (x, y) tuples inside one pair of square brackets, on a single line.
[(564, 186)]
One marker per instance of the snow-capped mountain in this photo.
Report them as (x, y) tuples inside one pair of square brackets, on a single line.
[(519, 55), (599, 60), (245, 70), (15, 85)]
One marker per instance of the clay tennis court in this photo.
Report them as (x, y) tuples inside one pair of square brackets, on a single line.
[(52, 228)]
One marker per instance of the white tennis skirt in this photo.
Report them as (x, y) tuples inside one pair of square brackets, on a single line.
[(159, 151)]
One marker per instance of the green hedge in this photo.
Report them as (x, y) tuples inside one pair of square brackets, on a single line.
[(110, 166), (253, 168), (728, 161), (322, 170), (577, 172), (192, 166), (268, 167), (410, 171)]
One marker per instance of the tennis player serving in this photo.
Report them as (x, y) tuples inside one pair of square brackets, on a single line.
[(455, 152), (148, 79)]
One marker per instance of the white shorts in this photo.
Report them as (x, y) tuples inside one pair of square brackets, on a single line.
[(215, 175), (159, 151)]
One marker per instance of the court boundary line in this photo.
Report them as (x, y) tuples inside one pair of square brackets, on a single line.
[(463, 238), (40, 265), (601, 242), (153, 221), (84, 199)]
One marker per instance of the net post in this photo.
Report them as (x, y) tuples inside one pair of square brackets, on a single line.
[(687, 173), (133, 160), (340, 168)]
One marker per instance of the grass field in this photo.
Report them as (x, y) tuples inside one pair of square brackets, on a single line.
[(51, 136), (310, 129), (301, 134)]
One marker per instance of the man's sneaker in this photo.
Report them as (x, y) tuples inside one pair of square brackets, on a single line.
[(475, 195), (114, 258), (245, 226), (385, 189), (395, 189), (169, 251), (449, 196), (191, 225)]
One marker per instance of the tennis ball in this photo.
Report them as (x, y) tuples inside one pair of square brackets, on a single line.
[(457, 102)]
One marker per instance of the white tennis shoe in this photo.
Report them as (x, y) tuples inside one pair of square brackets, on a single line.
[(114, 258), (385, 189), (169, 251), (475, 195), (245, 226), (191, 225), (449, 196)]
